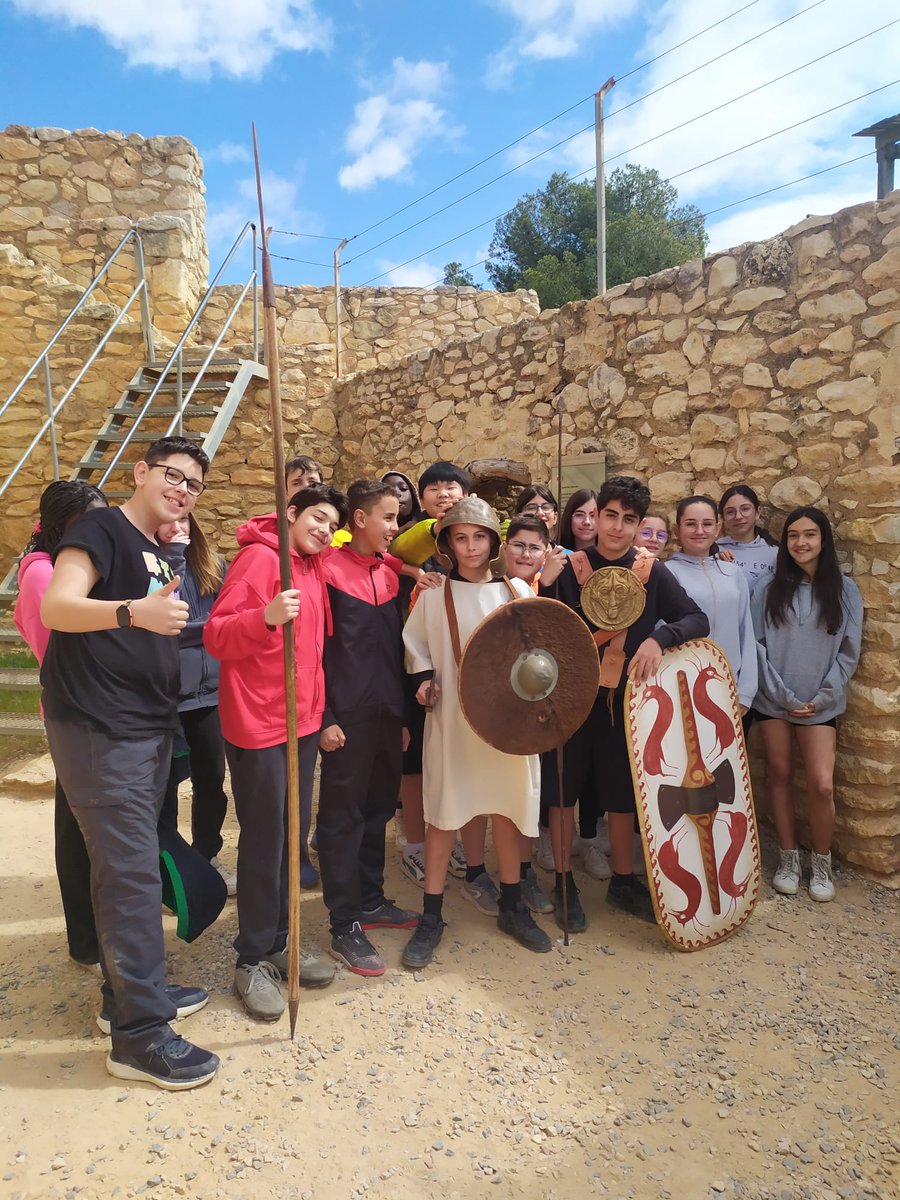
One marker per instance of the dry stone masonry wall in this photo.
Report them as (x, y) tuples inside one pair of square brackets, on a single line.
[(67, 199), (777, 364)]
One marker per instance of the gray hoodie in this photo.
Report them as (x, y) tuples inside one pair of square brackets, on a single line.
[(800, 661), (721, 590), (756, 559)]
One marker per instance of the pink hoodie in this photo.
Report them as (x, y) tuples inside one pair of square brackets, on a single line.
[(251, 683), (35, 571)]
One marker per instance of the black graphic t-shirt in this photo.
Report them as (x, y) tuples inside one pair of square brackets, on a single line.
[(122, 681)]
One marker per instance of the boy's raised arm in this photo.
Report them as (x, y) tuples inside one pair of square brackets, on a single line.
[(68, 607)]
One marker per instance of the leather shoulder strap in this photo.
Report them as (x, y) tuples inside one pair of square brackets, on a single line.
[(581, 565), (642, 566), (452, 622)]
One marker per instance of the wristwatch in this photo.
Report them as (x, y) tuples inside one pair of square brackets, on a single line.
[(124, 615)]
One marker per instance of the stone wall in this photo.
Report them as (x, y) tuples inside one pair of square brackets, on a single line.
[(67, 199), (777, 364)]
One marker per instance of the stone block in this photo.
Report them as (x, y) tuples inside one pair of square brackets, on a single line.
[(699, 383), (794, 492), (694, 348), (752, 298), (756, 375), (871, 531), (884, 271), (805, 372), (761, 450), (849, 395), (723, 275), (873, 327), (709, 428), (839, 342), (708, 458), (606, 385), (670, 406), (871, 482), (670, 486), (738, 351), (836, 306)]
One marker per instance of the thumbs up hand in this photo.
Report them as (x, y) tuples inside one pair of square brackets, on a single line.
[(161, 611)]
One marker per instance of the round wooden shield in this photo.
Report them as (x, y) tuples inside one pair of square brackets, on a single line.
[(528, 676)]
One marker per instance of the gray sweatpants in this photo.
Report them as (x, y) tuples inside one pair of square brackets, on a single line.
[(115, 787), (259, 785)]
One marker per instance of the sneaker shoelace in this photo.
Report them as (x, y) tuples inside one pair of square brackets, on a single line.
[(261, 974)]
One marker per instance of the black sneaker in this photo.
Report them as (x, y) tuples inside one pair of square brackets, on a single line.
[(578, 922), (388, 916), (355, 950), (520, 924), (187, 1000), (176, 1065), (419, 950), (631, 897)]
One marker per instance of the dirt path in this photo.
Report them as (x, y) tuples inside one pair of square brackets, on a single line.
[(767, 1067)]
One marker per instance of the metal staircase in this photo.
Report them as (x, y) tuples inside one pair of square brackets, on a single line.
[(193, 393)]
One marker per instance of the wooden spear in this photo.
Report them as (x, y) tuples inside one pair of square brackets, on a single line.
[(565, 861), (284, 565)]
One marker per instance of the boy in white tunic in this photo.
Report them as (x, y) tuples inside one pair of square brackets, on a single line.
[(464, 777)]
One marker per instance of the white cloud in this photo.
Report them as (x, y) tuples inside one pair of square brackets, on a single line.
[(228, 152), (392, 126), (813, 146), (195, 37), (283, 210), (767, 220), (417, 274), (550, 29)]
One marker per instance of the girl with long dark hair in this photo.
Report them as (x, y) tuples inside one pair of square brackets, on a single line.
[(808, 623), (578, 527), (62, 503), (753, 547)]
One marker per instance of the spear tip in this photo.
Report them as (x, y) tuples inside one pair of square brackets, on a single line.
[(293, 1009)]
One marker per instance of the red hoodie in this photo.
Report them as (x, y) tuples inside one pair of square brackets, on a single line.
[(251, 683)]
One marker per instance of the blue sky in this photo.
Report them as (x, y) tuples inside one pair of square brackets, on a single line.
[(363, 108)]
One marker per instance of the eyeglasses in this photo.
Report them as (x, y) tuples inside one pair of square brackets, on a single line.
[(648, 535), (176, 478), (535, 509), (525, 550)]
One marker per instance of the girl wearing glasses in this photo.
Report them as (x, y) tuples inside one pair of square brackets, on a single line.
[(753, 547), (653, 534)]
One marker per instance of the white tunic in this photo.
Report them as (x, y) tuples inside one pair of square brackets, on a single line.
[(464, 777)]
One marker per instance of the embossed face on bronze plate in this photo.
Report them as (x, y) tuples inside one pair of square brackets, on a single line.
[(613, 598)]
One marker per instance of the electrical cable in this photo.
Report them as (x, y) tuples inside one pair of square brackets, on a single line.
[(550, 120), (571, 137)]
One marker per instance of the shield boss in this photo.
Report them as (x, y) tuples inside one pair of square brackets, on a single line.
[(528, 677)]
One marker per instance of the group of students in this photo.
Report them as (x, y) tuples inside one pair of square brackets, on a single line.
[(387, 584)]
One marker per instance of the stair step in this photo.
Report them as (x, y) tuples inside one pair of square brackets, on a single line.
[(171, 386), (217, 364), (20, 724), (20, 678), (125, 409), (114, 438)]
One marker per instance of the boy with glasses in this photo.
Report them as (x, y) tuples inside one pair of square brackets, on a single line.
[(111, 677)]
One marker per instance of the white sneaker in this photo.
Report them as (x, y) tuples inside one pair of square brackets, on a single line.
[(229, 876), (543, 855), (786, 879), (821, 884), (594, 860), (412, 864), (458, 862)]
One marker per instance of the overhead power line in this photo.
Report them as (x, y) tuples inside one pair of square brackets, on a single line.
[(686, 171), (722, 208), (547, 150), (496, 153)]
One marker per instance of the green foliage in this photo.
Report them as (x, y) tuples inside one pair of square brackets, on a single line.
[(548, 240), (455, 275)]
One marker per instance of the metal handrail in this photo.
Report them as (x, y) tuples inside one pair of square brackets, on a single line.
[(43, 359), (176, 357)]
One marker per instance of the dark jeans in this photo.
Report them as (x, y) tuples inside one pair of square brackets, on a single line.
[(259, 785), (596, 750), (115, 788), (357, 798), (203, 734), (73, 870)]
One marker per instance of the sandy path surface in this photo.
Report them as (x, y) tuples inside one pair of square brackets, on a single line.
[(766, 1067)]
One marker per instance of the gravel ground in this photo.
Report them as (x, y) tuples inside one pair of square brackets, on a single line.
[(765, 1068)]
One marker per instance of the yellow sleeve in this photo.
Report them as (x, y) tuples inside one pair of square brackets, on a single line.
[(415, 544)]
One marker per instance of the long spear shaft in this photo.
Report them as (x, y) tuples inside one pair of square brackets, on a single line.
[(565, 857), (284, 566)]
